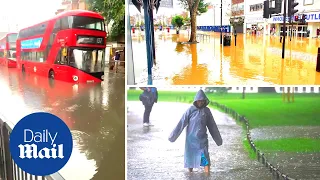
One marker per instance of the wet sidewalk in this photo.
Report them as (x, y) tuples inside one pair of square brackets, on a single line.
[(150, 155), (255, 59), (298, 165)]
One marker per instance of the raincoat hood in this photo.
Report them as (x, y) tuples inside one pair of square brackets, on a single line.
[(201, 96)]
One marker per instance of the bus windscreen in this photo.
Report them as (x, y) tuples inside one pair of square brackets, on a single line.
[(91, 60), (83, 22)]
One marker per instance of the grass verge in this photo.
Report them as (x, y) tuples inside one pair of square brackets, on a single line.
[(262, 109), (303, 145)]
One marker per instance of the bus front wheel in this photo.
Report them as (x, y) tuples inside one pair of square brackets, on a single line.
[(51, 74)]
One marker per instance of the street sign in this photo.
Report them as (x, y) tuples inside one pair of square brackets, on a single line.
[(163, 3)]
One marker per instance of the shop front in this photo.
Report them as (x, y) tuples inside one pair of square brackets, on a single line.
[(308, 29), (255, 25)]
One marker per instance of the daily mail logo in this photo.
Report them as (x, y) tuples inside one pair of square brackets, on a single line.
[(29, 151), (43, 140)]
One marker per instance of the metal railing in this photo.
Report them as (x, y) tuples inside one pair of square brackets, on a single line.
[(276, 172), (9, 170)]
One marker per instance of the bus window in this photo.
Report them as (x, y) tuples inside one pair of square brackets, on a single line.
[(33, 56), (57, 26), (83, 22), (40, 57), (64, 23), (12, 38), (60, 59)]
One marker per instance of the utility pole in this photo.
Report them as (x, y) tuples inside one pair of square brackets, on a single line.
[(284, 28), (221, 24), (291, 11)]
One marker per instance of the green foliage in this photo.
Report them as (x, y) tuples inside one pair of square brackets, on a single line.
[(112, 11), (202, 7), (219, 90), (177, 21), (187, 20), (236, 21)]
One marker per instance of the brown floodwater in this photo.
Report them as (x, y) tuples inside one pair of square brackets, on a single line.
[(93, 112), (254, 60)]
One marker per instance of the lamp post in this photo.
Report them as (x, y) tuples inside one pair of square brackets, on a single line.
[(221, 23)]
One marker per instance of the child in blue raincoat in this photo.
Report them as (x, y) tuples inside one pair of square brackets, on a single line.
[(197, 119)]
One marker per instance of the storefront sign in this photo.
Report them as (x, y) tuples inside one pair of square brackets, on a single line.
[(310, 17), (254, 19)]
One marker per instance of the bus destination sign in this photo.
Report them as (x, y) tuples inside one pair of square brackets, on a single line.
[(90, 40)]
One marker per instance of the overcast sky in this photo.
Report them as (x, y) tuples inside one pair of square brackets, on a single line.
[(25, 12), (171, 11)]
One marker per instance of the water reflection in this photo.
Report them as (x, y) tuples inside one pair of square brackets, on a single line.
[(255, 59), (94, 113)]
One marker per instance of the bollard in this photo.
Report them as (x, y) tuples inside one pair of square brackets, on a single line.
[(318, 61)]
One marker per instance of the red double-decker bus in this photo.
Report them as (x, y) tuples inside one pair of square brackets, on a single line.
[(8, 50), (69, 47)]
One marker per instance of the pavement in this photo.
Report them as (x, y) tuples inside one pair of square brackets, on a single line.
[(151, 156), (254, 60)]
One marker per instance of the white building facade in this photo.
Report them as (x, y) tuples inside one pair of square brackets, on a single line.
[(311, 8), (253, 12)]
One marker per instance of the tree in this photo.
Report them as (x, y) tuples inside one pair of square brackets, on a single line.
[(243, 92), (114, 13), (218, 90), (177, 21), (195, 7)]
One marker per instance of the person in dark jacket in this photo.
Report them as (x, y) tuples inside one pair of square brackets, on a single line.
[(148, 98)]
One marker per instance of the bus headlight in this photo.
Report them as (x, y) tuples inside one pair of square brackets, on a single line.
[(75, 78), (102, 77)]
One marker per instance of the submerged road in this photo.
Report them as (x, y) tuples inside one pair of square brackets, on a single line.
[(150, 155), (94, 113), (255, 60)]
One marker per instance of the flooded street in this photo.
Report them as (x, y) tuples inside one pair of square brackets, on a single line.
[(93, 112), (255, 60), (150, 154)]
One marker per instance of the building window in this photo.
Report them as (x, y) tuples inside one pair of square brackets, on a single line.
[(272, 4), (308, 2)]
